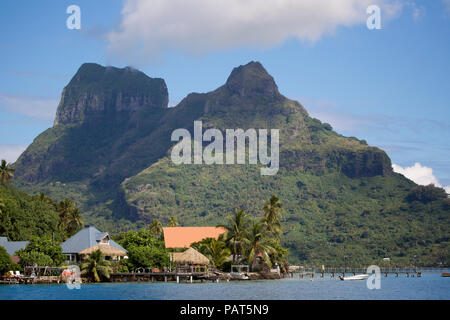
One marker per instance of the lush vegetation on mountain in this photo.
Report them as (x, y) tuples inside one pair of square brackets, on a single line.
[(24, 216), (109, 151)]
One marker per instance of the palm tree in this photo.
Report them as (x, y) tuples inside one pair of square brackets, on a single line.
[(156, 227), (95, 266), (236, 232), (74, 221), (6, 172), (258, 243), (46, 199), (216, 251), (173, 222), (64, 208), (272, 215), (2, 205)]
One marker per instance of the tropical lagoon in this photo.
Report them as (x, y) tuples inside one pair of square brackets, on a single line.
[(431, 286)]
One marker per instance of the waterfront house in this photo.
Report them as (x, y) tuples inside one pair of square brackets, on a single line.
[(183, 237), (87, 241)]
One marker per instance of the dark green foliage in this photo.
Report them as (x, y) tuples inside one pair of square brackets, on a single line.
[(41, 248), (279, 255), (5, 261), (215, 250), (6, 172), (426, 194), (96, 267), (70, 219), (148, 257), (143, 237), (24, 216), (35, 258), (144, 249)]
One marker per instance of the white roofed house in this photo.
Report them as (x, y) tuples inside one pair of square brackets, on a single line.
[(89, 240)]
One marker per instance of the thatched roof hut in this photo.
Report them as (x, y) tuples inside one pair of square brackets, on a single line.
[(190, 257), (106, 249)]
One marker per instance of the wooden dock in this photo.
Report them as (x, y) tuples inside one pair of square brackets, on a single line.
[(164, 276), (412, 272)]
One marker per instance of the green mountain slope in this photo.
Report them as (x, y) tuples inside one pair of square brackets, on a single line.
[(110, 151), (23, 216)]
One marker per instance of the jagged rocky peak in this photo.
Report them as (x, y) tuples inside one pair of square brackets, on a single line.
[(252, 80), (96, 90)]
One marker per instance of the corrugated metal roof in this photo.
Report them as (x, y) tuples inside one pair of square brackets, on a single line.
[(12, 246), (84, 239), (183, 237)]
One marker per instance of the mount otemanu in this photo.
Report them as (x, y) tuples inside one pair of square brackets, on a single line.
[(109, 150)]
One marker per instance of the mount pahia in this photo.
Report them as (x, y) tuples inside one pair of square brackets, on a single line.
[(109, 150)]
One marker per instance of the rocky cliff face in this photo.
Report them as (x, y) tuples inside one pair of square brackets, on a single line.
[(112, 124), (109, 93), (251, 81)]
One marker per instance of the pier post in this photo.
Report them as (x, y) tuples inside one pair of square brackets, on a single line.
[(165, 278), (191, 279), (178, 279)]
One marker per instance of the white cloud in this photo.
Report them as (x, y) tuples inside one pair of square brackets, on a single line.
[(10, 152), (200, 26), (419, 174), (36, 107), (446, 4)]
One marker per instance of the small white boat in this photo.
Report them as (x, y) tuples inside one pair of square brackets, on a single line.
[(356, 277)]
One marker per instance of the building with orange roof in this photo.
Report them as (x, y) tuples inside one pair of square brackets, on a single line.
[(183, 237)]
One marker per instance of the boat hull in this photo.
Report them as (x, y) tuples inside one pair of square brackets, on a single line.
[(357, 277)]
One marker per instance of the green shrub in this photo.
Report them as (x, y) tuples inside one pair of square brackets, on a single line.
[(47, 248), (148, 257), (5, 261), (34, 257)]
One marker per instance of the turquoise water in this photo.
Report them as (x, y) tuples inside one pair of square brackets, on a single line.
[(430, 286)]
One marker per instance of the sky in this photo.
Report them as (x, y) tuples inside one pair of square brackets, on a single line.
[(389, 86)]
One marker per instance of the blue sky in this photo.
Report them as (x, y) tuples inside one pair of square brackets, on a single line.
[(390, 87)]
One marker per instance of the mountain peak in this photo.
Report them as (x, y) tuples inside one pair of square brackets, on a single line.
[(98, 90), (252, 80)]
